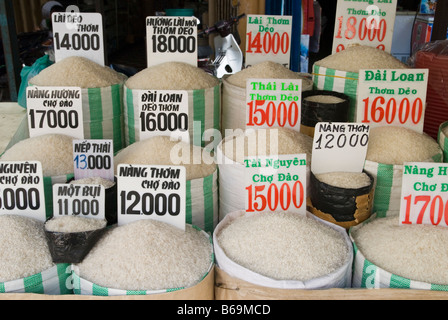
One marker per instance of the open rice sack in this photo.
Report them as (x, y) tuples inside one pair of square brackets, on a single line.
[(340, 71), (147, 257), (283, 250), (201, 170), (234, 90), (389, 147), (102, 95), (387, 255), (55, 153), (233, 149), (442, 139), (204, 98), (26, 265), (343, 198)]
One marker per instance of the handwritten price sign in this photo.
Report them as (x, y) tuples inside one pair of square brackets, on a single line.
[(268, 38), (392, 97), (424, 194), (364, 23), (273, 103)]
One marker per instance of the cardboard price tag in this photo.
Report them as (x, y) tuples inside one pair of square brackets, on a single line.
[(78, 34), (424, 194), (93, 158), (22, 189), (56, 110), (164, 113), (392, 97), (339, 147), (268, 38), (273, 103), (369, 23), (275, 183), (171, 39), (152, 192), (84, 200)]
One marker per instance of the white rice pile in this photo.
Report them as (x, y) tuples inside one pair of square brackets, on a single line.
[(96, 181), (396, 145), (160, 150), (323, 98), (357, 57), (261, 142), (54, 151), (148, 255), (172, 76), (263, 70), (23, 246), (346, 180), (77, 72), (417, 252), (284, 246), (74, 224)]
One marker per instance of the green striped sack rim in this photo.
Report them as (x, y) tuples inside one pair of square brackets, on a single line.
[(388, 180), (204, 108), (53, 281), (102, 114), (370, 276), (202, 202), (443, 141), (339, 81), (83, 286), (48, 190)]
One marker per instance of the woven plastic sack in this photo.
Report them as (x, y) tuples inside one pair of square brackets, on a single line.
[(443, 141), (388, 180), (339, 81), (340, 278), (53, 281), (82, 286), (368, 275), (204, 110)]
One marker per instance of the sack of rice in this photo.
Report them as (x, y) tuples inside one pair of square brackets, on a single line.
[(343, 198), (70, 238), (26, 264), (110, 200), (389, 147), (234, 90), (387, 255), (55, 153), (204, 98), (442, 139), (232, 150), (202, 176), (145, 257), (340, 71), (102, 95), (322, 106), (283, 250)]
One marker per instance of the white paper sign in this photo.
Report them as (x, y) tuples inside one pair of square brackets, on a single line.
[(56, 110), (22, 189), (152, 192), (424, 194), (273, 103), (392, 97), (268, 38), (339, 147), (164, 113), (82, 200), (369, 23), (93, 158), (78, 34), (275, 183), (171, 39)]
